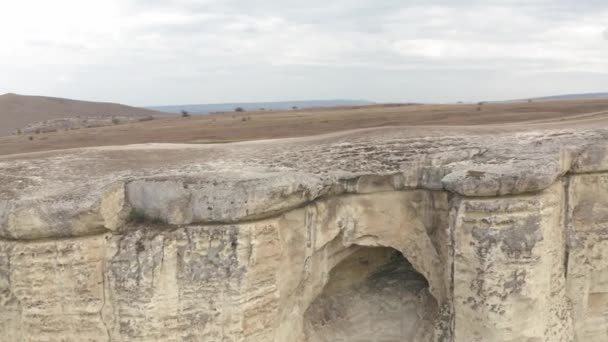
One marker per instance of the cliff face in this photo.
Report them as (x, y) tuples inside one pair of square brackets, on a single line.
[(378, 235)]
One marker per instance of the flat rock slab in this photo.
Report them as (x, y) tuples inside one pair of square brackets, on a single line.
[(85, 191)]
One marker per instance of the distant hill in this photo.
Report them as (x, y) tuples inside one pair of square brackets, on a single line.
[(249, 106), (18, 111), (586, 96), (565, 97)]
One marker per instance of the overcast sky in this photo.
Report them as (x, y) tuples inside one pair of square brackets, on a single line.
[(152, 52)]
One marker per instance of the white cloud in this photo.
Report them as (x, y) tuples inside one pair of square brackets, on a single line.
[(221, 50)]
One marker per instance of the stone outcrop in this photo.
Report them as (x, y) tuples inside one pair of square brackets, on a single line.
[(374, 235), (77, 122)]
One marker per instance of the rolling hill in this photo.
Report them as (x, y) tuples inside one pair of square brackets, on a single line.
[(563, 97), (260, 125), (586, 96), (18, 111)]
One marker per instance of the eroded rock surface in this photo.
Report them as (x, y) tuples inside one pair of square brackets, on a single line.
[(373, 295), (374, 235)]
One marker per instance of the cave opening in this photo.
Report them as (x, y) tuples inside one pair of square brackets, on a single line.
[(373, 295)]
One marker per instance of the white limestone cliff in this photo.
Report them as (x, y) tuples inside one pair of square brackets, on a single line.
[(375, 235)]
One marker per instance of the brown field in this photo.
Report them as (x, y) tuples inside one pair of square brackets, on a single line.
[(18, 111), (232, 127)]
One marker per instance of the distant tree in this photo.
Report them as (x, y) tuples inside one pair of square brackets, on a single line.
[(239, 109), (529, 100), (294, 107), (115, 121), (185, 114)]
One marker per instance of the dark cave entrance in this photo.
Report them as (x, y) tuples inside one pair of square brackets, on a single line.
[(373, 295)]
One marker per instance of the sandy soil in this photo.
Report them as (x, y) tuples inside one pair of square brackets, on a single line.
[(232, 127)]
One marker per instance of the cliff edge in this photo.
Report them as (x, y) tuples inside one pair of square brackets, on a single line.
[(432, 234)]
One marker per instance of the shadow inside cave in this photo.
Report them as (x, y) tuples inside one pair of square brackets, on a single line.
[(374, 295)]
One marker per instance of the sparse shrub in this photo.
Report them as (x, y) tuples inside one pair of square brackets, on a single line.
[(529, 100), (37, 131), (31, 138), (239, 109), (479, 108), (294, 107), (138, 216), (19, 132), (243, 119), (146, 118), (115, 121), (185, 114)]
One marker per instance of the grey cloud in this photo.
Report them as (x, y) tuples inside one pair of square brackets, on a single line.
[(390, 50)]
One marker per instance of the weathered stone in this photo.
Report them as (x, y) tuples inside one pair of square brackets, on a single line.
[(381, 234)]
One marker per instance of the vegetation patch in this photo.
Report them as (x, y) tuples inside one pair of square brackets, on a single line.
[(139, 217)]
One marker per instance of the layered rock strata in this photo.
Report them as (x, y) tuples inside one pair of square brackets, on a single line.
[(375, 235)]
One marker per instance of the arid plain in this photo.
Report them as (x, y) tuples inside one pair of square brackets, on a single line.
[(258, 125)]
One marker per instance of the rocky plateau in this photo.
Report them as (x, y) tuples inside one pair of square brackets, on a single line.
[(378, 235)]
